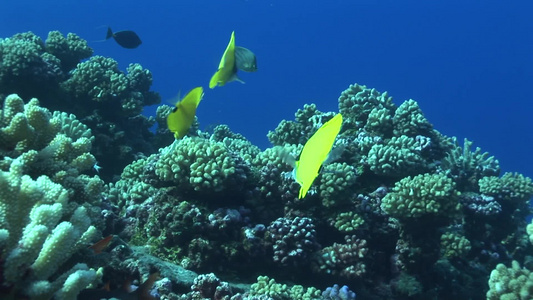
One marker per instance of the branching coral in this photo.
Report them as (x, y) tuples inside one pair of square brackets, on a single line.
[(293, 241), (41, 179), (266, 286), (58, 150), (409, 120), (421, 195), (454, 245), (343, 260), (467, 166), (398, 156), (337, 184), (36, 240)]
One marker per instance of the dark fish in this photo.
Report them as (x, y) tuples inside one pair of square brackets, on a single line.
[(141, 293), (126, 38), (245, 59)]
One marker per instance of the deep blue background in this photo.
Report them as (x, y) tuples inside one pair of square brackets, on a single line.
[(467, 63)]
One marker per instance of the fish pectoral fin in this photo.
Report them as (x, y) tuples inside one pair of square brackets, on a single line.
[(234, 77), (214, 80)]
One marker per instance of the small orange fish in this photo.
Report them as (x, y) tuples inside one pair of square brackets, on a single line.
[(101, 244)]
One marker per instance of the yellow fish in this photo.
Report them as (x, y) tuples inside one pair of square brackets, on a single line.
[(180, 119), (227, 68), (315, 152)]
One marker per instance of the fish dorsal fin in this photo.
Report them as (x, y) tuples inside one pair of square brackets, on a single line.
[(109, 33), (228, 58)]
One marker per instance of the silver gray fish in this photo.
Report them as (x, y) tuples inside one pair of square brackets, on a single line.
[(245, 59)]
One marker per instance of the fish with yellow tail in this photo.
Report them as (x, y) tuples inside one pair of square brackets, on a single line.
[(180, 119), (233, 59), (314, 154)]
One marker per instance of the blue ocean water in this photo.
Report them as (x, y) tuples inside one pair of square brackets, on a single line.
[(469, 64)]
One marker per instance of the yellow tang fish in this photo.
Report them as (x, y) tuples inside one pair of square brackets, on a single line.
[(180, 119), (315, 152), (227, 68)]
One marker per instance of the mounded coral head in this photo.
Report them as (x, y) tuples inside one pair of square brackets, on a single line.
[(357, 102), (26, 68), (203, 165), (513, 187), (70, 50)]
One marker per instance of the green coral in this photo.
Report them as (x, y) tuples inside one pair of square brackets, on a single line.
[(397, 156), (529, 230), (467, 166), (454, 245), (97, 79), (421, 195), (19, 54), (307, 121), (347, 222), (337, 184), (266, 286), (236, 142), (26, 68), (200, 164), (70, 50), (357, 102), (410, 121), (100, 80), (269, 287), (513, 187), (510, 283), (379, 122), (132, 187)]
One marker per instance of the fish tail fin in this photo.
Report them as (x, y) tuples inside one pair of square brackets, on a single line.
[(109, 33)]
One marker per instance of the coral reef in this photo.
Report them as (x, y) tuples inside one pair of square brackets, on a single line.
[(104, 98), (398, 196), (398, 211)]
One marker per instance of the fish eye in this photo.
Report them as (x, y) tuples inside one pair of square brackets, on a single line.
[(175, 109)]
